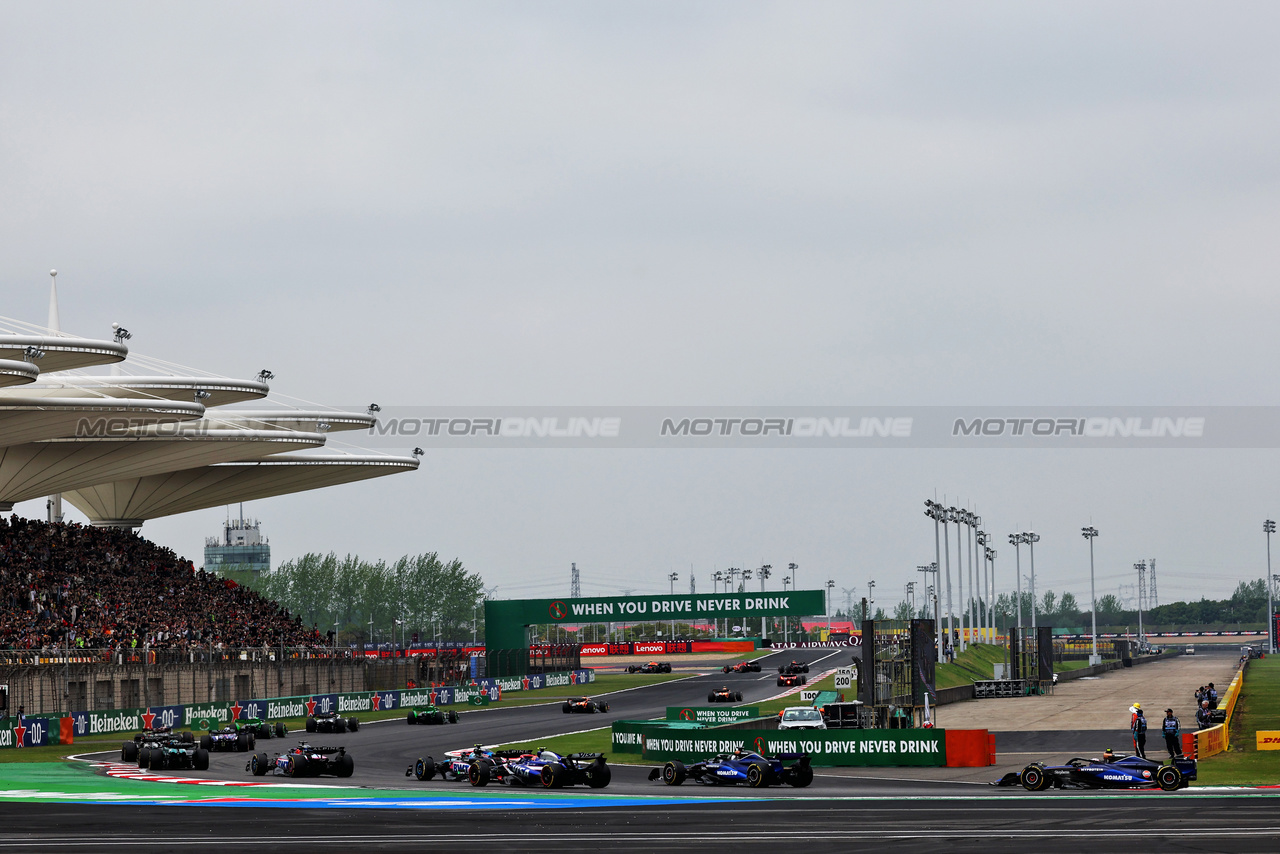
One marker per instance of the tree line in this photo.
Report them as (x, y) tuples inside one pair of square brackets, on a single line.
[(374, 601)]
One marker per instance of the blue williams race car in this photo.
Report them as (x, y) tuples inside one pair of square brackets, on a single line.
[(742, 766), (303, 761), (229, 738), (550, 770), (1113, 771), (461, 765)]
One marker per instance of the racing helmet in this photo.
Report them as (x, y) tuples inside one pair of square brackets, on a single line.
[(1137, 705)]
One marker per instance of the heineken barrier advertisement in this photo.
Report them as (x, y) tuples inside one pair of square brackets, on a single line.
[(39, 731), (714, 715), (825, 747)]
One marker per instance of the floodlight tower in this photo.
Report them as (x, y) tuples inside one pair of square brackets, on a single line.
[(1269, 528), (1015, 540), (1031, 538), (1089, 533)]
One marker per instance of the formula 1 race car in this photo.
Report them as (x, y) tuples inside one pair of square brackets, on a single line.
[(584, 705), (330, 722), (129, 750), (173, 753), (651, 667), (460, 765), (1111, 772), (303, 761), (432, 715), (794, 667), (260, 728), (742, 766), (551, 770), (790, 680), (742, 667), (724, 695), (229, 738)]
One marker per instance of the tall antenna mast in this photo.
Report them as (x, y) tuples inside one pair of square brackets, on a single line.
[(575, 583)]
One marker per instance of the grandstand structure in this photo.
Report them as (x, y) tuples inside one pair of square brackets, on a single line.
[(125, 438)]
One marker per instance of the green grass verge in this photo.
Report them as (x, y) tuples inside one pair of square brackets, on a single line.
[(1257, 709), (974, 663)]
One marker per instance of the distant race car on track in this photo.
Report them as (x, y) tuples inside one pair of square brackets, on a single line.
[(789, 680), (303, 761), (724, 695), (1113, 771), (229, 738), (743, 667), (794, 667), (331, 722), (459, 765), (740, 767), (432, 715), (651, 667), (584, 705)]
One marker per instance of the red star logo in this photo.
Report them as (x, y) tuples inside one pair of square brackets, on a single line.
[(524, 683), (376, 700), (311, 706), (433, 697), (235, 711), (19, 733), (148, 718)]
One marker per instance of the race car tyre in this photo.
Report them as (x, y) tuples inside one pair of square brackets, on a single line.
[(727, 669), (253, 740), (673, 773), (242, 742), (478, 774), (311, 724), (567, 708), (598, 775), (425, 769), (259, 764), (200, 760), (804, 668), (453, 717), (591, 707), (158, 760), (801, 776), (339, 725), (711, 698), (553, 775), (412, 717), (206, 741), (757, 775), (1033, 778), (345, 765), (666, 668), (755, 668), (604, 707), (737, 696), (295, 765), (281, 730), (129, 752), (1169, 778), (804, 680), (781, 683), (144, 757), (631, 668), (188, 737), (353, 724)]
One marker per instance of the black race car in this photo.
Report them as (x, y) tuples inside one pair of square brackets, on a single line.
[(584, 705), (743, 667), (724, 695), (129, 750), (651, 667), (303, 761), (790, 680), (169, 751), (432, 715), (742, 766), (229, 738), (794, 667), (1113, 771), (331, 722)]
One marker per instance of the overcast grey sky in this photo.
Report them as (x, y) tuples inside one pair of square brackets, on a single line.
[(688, 204)]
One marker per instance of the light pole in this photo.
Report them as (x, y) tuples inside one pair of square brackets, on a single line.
[(1015, 540), (974, 522), (984, 605), (764, 572), (715, 586), (673, 578), (1089, 533), (1141, 566), (937, 613), (946, 551), (786, 637), (991, 604), (830, 586), (1031, 538), (1269, 527), (911, 597), (960, 517), (933, 510), (871, 599)]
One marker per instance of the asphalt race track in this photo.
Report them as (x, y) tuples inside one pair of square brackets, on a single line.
[(844, 809)]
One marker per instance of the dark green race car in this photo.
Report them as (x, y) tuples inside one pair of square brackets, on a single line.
[(260, 728), (432, 715)]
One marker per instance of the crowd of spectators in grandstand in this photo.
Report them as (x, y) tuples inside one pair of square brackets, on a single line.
[(70, 586)]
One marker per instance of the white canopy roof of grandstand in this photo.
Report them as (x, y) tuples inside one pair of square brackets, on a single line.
[(62, 352), (17, 373), (131, 501), (318, 420), (24, 419), (42, 468)]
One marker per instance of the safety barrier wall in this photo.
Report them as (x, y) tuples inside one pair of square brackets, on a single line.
[(100, 722), (893, 748), (1217, 739)]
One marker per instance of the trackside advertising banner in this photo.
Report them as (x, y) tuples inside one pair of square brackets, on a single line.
[(36, 731), (714, 715), (825, 748)]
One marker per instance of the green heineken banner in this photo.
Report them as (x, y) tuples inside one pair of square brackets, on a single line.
[(505, 618), (714, 715), (825, 747)]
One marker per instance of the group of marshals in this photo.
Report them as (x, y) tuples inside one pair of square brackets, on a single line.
[(1170, 728)]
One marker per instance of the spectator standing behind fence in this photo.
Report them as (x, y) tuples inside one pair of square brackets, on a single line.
[(1172, 734), (1138, 724)]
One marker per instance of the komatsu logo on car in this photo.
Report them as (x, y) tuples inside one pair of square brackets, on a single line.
[(1115, 776), (727, 772)]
